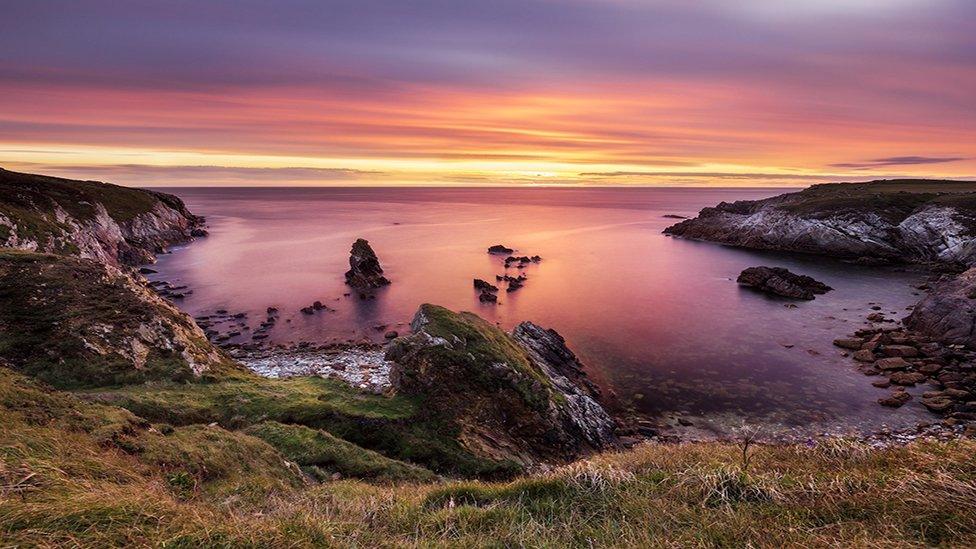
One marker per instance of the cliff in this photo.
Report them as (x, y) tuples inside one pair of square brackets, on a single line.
[(112, 224), (899, 221)]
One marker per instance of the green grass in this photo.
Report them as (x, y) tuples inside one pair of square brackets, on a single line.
[(323, 455), (392, 426)]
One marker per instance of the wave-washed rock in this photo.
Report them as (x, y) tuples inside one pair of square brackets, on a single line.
[(364, 272), (521, 397), (782, 282), (913, 221), (108, 223)]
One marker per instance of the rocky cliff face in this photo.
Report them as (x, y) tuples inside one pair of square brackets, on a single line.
[(76, 322), (521, 397), (948, 313), (913, 221), (111, 224)]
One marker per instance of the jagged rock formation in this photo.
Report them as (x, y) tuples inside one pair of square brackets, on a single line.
[(112, 224), (915, 221), (364, 272), (76, 322), (948, 313), (521, 397), (781, 282)]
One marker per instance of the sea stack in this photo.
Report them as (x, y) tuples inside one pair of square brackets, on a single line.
[(364, 272)]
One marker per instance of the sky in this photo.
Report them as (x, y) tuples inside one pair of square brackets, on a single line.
[(500, 92)]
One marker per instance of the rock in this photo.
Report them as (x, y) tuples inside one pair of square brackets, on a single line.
[(938, 404), (876, 317), (895, 399), (947, 313), (484, 286), (514, 284), (674, 216), (308, 310), (891, 363), (365, 273), (147, 270), (500, 249), (907, 378), (391, 334), (487, 297), (881, 383), (852, 343), (199, 232), (880, 221), (781, 282), (864, 355), (520, 397), (905, 351)]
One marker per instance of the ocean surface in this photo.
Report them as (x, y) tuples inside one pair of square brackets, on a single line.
[(658, 320)]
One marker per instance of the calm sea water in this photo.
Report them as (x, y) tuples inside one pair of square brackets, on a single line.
[(660, 320)]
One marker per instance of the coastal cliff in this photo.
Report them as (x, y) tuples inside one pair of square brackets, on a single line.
[(892, 221), (111, 224)]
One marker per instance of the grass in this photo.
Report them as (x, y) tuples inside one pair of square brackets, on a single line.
[(392, 426), (74, 473), (325, 457)]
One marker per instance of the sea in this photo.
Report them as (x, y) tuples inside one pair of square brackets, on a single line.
[(659, 322)]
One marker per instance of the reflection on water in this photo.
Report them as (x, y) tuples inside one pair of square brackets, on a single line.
[(660, 319)]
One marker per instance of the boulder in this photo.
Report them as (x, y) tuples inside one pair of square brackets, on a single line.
[(364, 272), (907, 378), (895, 399), (947, 313), (520, 397), (782, 282), (891, 363), (484, 285), (852, 343), (906, 351)]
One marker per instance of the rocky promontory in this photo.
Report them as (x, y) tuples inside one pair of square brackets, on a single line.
[(111, 224), (519, 397), (895, 221)]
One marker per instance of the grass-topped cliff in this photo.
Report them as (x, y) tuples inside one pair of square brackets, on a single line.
[(893, 221), (111, 223)]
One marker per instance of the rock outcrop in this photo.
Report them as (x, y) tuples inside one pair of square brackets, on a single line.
[(108, 223), (913, 221), (78, 323), (781, 282), (365, 273), (519, 397), (948, 312)]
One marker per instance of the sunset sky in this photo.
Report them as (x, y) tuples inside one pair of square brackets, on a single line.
[(452, 92)]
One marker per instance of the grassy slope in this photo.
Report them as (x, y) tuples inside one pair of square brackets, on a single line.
[(73, 473), (51, 306)]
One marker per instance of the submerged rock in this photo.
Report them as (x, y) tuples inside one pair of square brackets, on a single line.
[(364, 272), (781, 282), (520, 397), (500, 249)]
